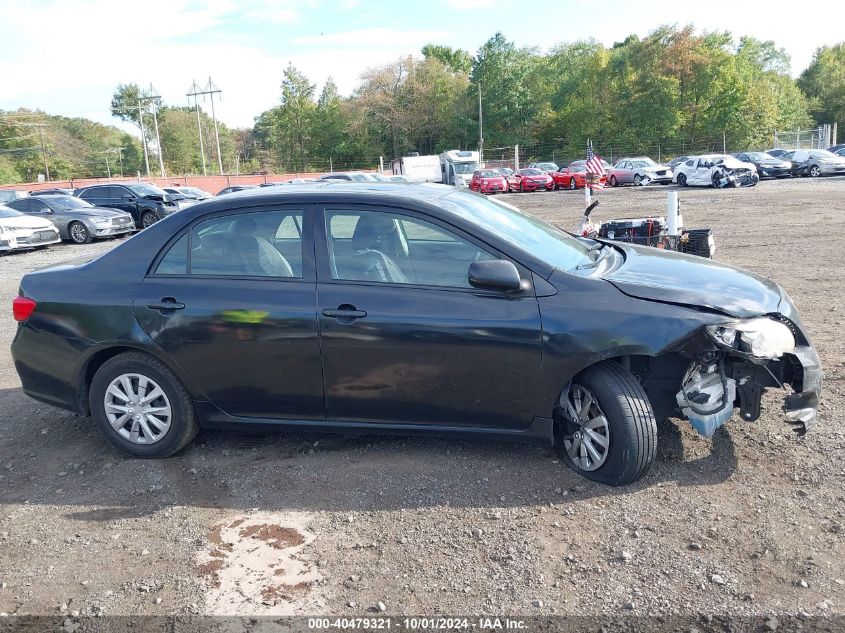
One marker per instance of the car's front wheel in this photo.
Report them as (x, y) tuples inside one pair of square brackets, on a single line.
[(79, 234), (148, 218), (141, 407), (815, 171), (682, 180), (572, 184), (605, 427)]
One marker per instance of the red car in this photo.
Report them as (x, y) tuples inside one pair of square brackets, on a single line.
[(572, 177), (488, 181), (530, 179)]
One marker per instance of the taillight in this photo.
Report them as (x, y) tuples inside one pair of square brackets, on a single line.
[(22, 308)]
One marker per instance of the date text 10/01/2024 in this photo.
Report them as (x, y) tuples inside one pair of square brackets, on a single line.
[(418, 623)]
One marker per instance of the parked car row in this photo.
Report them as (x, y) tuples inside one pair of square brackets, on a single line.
[(712, 170), (40, 218)]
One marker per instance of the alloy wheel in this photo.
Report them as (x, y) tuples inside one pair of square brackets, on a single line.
[(138, 408), (78, 233), (585, 433), (815, 172), (148, 219)]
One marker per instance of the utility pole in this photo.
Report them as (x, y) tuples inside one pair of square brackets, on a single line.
[(155, 99), (44, 152), (480, 129), (210, 90), (194, 91), (144, 137), (108, 168), (41, 127)]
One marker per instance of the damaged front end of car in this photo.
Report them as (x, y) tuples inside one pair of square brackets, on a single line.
[(738, 177), (737, 360)]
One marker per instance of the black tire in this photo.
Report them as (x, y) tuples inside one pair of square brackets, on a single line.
[(631, 424), (79, 233), (183, 423), (638, 180), (148, 218), (682, 180), (572, 184), (613, 181)]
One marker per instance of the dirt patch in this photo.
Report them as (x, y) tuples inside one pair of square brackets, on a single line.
[(262, 548), (276, 535)]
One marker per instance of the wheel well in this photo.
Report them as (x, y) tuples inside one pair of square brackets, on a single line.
[(91, 366), (660, 377)]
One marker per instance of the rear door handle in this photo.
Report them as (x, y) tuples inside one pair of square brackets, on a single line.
[(168, 305), (345, 313)]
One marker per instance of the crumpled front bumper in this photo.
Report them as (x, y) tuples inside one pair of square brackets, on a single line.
[(801, 408)]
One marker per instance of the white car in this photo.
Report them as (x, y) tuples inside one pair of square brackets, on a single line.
[(716, 170), (18, 231)]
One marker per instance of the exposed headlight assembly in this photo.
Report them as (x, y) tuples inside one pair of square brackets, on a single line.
[(761, 337)]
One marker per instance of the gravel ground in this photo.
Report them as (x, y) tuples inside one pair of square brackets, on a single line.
[(750, 523)]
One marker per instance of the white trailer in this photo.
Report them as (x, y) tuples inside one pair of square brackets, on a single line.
[(421, 168), (457, 166)]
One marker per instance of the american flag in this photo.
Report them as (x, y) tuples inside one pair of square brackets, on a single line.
[(594, 164)]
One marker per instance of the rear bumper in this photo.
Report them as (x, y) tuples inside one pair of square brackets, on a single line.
[(801, 408)]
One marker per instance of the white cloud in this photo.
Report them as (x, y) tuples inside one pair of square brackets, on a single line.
[(470, 5), (375, 37)]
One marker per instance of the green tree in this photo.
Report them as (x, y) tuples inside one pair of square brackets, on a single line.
[(824, 83), (456, 59)]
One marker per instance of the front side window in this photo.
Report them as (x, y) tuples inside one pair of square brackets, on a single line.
[(390, 248), (261, 244)]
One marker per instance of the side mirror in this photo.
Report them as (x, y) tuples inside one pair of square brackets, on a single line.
[(494, 274), (128, 196)]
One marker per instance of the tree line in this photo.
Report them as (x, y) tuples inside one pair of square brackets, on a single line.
[(672, 90)]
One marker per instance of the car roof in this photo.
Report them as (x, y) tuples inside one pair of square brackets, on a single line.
[(381, 189)]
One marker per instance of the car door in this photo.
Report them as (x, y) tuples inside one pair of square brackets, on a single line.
[(625, 176), (231, 300), (43, 210), (404, 337)]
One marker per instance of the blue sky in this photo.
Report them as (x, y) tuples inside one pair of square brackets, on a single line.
[(66, 57)]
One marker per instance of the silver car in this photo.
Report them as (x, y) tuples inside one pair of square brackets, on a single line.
[(77, 220)]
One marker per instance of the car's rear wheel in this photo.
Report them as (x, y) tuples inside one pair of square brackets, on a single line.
[(613, 182), (141, 407), (682, 180), (605, 427), (78, 232), (148, 219)]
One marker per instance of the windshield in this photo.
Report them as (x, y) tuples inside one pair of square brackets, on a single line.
[(526, 232), (67, 202), (465, 168), (578, 168), (530, 172), (547, 166), (146, 190), (822, 153), (6, 212), (759, 156)]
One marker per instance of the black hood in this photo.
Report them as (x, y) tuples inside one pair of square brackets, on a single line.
[(658, 275)]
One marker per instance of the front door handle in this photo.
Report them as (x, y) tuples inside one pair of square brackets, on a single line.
[(345, 313), (168, 305)]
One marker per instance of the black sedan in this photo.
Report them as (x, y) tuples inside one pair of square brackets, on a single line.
[(405, 309), (768, 166), (77, 220)]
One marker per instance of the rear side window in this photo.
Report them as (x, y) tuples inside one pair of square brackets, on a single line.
[(175, 261), (261, 244)]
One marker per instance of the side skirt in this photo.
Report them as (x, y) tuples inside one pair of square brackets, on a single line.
[(539, 432)]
